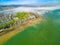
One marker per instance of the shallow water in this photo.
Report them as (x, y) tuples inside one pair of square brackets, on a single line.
[(44, 33)]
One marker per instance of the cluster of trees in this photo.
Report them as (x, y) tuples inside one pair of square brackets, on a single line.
[(6, 19), (17, 19), (22, 17), (7, 24)]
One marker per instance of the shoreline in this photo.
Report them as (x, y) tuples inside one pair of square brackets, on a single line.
[(7, 36)]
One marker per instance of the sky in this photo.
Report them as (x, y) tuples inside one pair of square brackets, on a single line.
[(9, 2)]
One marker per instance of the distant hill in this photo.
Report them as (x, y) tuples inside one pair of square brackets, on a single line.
[(2, 7)]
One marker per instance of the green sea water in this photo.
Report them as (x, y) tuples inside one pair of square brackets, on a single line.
[(44, 33)]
